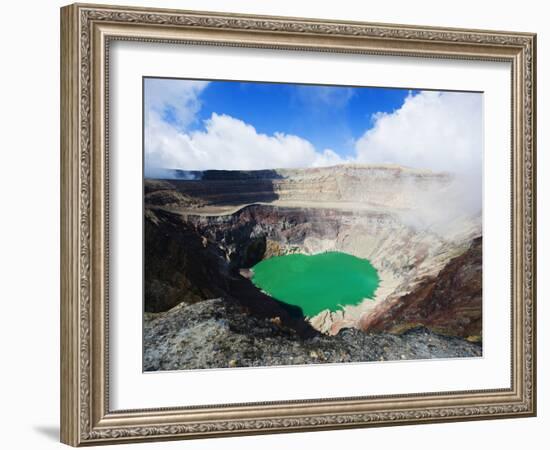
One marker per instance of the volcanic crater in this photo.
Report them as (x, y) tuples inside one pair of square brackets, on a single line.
[(205, 230)]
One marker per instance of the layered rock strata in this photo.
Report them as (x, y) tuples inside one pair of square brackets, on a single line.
[(360, 186)]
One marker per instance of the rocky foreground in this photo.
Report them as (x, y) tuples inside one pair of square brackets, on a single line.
[(219, 334)]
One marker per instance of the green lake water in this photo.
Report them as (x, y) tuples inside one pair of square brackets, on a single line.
[(317, 282)]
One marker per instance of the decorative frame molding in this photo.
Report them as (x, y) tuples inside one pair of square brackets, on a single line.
[(86, 31)]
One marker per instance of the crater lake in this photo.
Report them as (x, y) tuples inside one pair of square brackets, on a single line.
[(318, 282)]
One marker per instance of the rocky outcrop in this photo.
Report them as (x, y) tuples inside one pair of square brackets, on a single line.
[(450, 302), (218, 333)]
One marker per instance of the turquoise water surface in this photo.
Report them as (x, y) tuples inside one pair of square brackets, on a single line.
[(317, 282)]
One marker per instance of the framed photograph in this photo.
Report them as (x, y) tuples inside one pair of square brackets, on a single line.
[(278, 224)]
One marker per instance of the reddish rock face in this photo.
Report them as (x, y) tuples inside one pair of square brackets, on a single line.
[(450, 303)]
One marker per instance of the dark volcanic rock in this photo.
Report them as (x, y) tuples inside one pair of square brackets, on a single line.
[(218, 333), (179, 265), (449, 303), (219, 190), (184, 262)]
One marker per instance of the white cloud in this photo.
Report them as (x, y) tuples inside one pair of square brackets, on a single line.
[(177, 99), (228, 143), (441, 131)]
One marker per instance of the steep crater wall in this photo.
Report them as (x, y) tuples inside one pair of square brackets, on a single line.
[(192, 258)]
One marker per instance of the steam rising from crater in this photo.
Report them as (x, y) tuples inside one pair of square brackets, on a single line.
[(441, 131)]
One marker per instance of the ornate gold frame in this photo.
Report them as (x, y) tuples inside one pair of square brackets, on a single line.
[(86, 31)]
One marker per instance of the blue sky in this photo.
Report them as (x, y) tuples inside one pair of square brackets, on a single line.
[(200, 125), (327, 116)]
